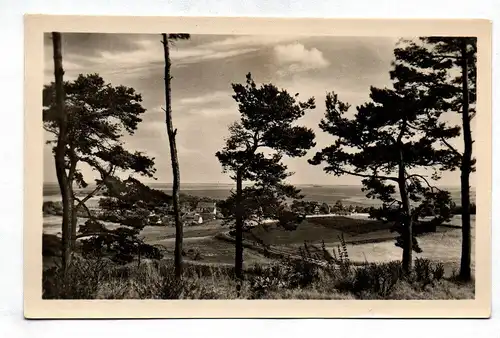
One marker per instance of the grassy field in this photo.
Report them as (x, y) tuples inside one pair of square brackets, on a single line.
[(328, 229), (367, 242), (209, 265)]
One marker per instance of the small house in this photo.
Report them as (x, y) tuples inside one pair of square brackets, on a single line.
[(154, 219), (207, 216), (193, 219), (207, 208)]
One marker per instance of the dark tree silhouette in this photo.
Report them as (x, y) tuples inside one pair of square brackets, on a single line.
[(267, 118), (128, 203), (446, 55), (383, 145), (304, 207), (98, 114), (61, 118), (171, 132)]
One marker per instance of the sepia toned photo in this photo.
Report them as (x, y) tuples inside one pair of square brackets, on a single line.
[(197, 165)]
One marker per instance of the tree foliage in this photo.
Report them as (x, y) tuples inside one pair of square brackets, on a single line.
[(452, 61), (304, 207), (98, 116), (388, 142), (267, 122), (128, 204), (261, 203)]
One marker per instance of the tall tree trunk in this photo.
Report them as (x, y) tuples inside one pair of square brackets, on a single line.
[(71, 175), (74, 222), (175, 163), (407, 234), (465, 262), (238, 258), (60, 152)]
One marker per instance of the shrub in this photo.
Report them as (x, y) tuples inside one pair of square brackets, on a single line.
[(295, 273), (301, 273), (52, 208), (51, 245), (261, 286), (341, 257), (377, 279), (426, 272), (81, 281), (121, 245), (187, 288)]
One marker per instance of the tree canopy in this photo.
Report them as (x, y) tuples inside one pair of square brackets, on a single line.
[(98, 116), (389, 142), (257, 143)]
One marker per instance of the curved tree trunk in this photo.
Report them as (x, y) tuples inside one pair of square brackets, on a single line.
[(175, 163), (465, 262), (62, 177)]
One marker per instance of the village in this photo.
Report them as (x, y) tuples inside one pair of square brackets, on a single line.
[(197, 211), (204, 212), (201, 213)]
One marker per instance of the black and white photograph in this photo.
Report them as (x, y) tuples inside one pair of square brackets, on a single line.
[(194, 166)]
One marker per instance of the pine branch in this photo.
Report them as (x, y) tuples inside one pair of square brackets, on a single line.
[(423, 179), (450, 147), (389, 178), (89, 196), (80, 203)]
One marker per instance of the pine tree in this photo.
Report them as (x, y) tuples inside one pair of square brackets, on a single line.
[(61, 118), (127, 203), (266, 122), (383, 144), (171, 132), (449, 56), (97, 115)]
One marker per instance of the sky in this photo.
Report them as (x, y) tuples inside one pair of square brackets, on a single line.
[(203, 69)]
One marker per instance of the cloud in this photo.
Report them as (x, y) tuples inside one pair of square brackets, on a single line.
[(91, 44), (213, 113), (297, 58), (143, 56), (208, 55), (248, 41), (207, 98), (181, 52)]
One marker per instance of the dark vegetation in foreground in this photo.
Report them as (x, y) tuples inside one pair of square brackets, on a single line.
[(310, 276)]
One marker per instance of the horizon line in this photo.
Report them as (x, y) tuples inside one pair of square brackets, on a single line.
[(232, 183)]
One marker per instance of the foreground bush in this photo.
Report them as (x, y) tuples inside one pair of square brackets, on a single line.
[(152, 279), (300, 278)]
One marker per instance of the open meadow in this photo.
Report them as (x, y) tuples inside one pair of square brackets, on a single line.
[(209, 257)]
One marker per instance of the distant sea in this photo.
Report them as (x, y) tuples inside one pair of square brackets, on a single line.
[(348, 194)]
